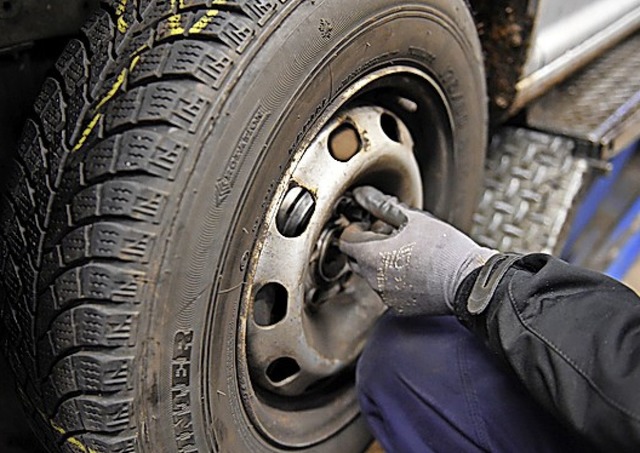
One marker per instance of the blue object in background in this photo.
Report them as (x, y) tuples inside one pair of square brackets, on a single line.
[(599, 191), (617, 247), (626, 236)]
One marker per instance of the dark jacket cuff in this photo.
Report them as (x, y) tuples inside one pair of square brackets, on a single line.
[(495, 275)]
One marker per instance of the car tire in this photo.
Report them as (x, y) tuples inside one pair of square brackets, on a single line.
[(157, 150)]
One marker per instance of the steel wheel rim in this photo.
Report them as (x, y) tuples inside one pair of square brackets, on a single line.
[(322, 400)]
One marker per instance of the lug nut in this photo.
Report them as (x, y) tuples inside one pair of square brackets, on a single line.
[(332, 264)]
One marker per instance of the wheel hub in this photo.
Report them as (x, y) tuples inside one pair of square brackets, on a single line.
[(311, 315)]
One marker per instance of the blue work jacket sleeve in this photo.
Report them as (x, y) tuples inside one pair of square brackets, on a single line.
[(572, 336)]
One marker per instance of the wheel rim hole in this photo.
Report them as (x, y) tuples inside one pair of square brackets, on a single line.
[(282, 369), (270, 305), (344, 142), (390, 127), (7, 6), (295, 212)]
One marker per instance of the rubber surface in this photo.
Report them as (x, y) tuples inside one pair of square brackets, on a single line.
[(91, 181)]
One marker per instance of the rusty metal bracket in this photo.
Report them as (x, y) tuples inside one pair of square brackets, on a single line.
[(505, 28)]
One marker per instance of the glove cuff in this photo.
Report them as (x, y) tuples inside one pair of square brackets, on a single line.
[(475, 259)]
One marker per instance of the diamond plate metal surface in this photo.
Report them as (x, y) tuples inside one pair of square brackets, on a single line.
[(592, 106), (532, 182)]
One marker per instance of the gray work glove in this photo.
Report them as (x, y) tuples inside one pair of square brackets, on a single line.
[(417, 263)]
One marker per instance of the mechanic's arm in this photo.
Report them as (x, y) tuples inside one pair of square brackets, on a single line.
[(572, 336)]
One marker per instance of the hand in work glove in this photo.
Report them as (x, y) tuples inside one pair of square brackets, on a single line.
[(418, 267)]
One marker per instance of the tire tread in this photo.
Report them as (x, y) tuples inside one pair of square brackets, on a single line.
[(91, 184)]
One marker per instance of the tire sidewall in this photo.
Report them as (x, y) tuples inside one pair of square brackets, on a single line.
[(190, 398)]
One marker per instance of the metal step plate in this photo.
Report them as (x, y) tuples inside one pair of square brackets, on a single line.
[(532, 184), (599, 107)]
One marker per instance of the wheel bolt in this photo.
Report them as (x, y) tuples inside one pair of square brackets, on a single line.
[(332, 264)]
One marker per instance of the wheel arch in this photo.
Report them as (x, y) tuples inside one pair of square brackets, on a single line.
[(505, 29)]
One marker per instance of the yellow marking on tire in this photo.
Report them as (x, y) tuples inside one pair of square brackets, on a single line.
[(114, 89), (107, 97), (204, 21), (118, 83), (134, 62), (175, 25), (141, 49), (122, 25), (121, 8), (85, 133), (72, 440)]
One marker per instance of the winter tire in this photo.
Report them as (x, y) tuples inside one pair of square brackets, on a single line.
[(166, 195)]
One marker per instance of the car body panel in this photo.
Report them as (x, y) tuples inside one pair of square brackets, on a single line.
[(565, 25), (564, 41)]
